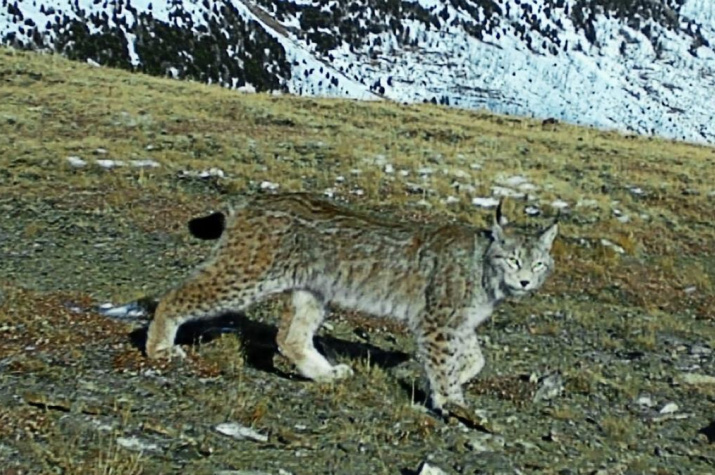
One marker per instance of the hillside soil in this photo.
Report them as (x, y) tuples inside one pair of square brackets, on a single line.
[(609, 369)]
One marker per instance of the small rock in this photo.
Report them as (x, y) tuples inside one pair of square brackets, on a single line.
[(136, 444), (427, 469), (669, 408), (487, 202), (612, 245), (550, 387), (130, 311), (109, 164), (145, 163), (532, 210), (425, 171), (645, 401), (269, 185), (506, 192), (242, 472), (696, 379), (100, 151), (559, 204), (76, 161), (451, 200), (587, 203), (239, 432), (210, 173), (389, 169), (339, 178)]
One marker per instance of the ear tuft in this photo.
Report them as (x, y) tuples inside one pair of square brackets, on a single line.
[(546, 239), (499, 218), (208, 227)]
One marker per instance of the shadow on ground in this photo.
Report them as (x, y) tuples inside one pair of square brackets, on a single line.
[(258, 340)]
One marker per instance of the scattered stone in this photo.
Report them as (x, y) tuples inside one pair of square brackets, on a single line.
[(130, 311), (645, 401), (356, 171), (514, 181), (242, 472), (487, 202), (389, 169), (461, 174), (699, 350), (506, 192), (427, 469), (339, 179), (239, 432), (329, 192), (269, 185), (484, 442), (696, 379), (424, 204), (669, 408), (550, 386), (145, 163), (612, 245), (478, 166), (109, 164), (404, 173), (76, 161), (136, 444), (450, 200), (210, 173), (690, 290), (559, 204), (587, 204), (532, 210), (636, 190), (425, 171), (100, 151)]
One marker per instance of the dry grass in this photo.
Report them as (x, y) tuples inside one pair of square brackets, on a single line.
[(51, 109)]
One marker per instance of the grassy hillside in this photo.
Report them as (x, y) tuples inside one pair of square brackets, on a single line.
[(628, 314)]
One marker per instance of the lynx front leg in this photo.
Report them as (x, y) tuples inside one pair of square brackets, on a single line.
[(295, 339), (439, 354), (471, 358)]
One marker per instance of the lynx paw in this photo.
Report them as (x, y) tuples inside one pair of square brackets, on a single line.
[(165, 352), (340, 371)]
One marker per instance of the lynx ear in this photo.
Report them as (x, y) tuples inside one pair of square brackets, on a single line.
[(208, 227), (499, 220), (546, 239)]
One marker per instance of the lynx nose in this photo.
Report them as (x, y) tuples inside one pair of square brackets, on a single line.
[(524, 283)]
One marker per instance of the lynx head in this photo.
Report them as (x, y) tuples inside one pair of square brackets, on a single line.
[(517, 265)]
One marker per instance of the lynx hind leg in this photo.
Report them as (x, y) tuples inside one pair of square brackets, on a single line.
[(439, 352), (295, 339), (471, 357), (205, 295)]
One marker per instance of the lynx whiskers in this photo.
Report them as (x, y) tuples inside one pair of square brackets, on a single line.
[(442, 280)]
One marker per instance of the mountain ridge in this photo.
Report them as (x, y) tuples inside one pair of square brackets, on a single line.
[(643, 66)]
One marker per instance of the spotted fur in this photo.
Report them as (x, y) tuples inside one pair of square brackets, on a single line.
[(441, 280)]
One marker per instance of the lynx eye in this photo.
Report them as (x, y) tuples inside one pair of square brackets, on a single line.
[(513, 262), (538, 266)]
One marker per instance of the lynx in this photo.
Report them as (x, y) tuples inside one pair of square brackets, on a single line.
[(442, 280)]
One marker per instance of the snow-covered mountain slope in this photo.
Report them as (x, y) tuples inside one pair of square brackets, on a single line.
[(642, 65)]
